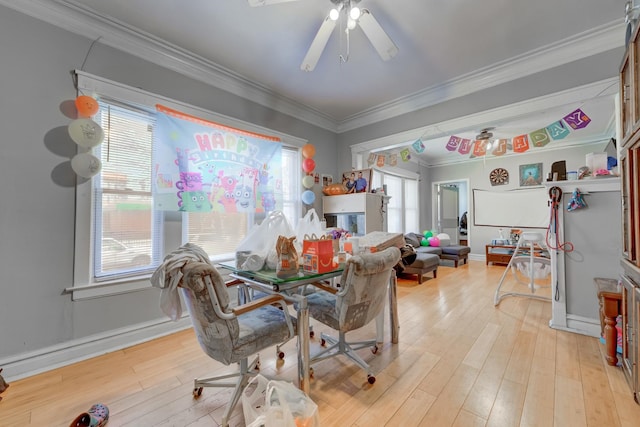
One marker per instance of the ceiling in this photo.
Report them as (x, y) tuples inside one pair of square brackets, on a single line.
[(447, 48)]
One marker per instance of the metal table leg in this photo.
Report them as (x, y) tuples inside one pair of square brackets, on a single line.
[(393, 308), (303, 344)]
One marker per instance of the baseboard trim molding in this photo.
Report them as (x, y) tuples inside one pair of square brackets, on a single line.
[(579, 325), (45, 359)]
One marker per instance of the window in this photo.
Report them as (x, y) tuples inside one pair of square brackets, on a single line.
[(127, 228), (402, 210), (120, 236)]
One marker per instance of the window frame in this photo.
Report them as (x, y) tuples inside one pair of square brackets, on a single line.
[(85, 285), (404, 175)]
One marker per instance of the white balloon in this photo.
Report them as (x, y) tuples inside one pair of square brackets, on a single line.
[(86, 133), (86, 165), (307, 181)]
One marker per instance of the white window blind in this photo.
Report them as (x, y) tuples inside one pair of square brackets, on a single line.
[(127, 229)]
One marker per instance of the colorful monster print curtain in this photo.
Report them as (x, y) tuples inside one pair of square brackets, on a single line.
[(201, 166)]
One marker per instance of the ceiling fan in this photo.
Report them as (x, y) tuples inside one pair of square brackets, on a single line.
[(355, 17), (485, 134)]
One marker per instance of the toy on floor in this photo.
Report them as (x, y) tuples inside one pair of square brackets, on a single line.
[(3, 384), (97, 416)]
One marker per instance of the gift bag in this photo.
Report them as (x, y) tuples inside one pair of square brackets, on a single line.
[(258, 248), (317, 254), (287, 264), (308, 225)]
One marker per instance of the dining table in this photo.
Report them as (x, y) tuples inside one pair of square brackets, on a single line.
[(267, 281)]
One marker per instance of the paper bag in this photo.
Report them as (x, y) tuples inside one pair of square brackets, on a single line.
[(287, 257), (317, 254)]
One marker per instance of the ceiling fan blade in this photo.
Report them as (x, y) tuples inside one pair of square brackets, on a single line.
[(317, 46), (256, 3), (376, 35)]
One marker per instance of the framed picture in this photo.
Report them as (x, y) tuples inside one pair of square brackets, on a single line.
[(327, 180), (531, 174), (357, 181)]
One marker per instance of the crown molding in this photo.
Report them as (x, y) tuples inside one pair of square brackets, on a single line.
[(79, 19), (598, 40), (477, 120)]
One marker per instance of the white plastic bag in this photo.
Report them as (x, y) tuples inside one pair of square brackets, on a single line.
[(259, 245), (253, 399), (285, 405), (308, 225)]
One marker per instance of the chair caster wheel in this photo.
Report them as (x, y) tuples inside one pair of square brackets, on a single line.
[(323, 342), (371, 379), (197, 392), (311, 334), (281, 355), (310, 372), (374, 349)]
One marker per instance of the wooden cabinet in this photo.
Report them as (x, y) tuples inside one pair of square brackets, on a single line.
[(501, 254), (630, 188)]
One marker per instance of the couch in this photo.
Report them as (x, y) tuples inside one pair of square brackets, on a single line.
[(455, 253)]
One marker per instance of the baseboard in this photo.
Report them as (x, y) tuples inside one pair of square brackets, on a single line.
[(476, 257), (42, 360), (580, 325)]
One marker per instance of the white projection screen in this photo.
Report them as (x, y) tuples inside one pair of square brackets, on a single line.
[(527, 208)]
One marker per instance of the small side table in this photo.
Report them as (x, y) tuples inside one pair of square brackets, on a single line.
[(610, 297)]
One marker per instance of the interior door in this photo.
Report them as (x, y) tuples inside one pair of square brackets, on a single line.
[(448, 196)]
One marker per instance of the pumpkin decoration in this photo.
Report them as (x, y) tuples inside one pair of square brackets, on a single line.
[(334, 189)]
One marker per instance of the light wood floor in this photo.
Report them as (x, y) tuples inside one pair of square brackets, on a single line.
[(460, 362)]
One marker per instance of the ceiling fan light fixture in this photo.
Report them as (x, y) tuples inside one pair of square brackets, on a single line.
[(334, 14), (351, 23), (354, 13)]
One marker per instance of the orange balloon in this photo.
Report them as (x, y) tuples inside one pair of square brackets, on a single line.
[(87, 106), (308, 151), (308, 165)]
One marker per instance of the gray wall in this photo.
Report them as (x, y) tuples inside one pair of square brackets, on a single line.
[(478, 174), (38, 191), (38, 208)]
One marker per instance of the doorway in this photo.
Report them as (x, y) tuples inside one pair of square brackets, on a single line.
[(450, 205)]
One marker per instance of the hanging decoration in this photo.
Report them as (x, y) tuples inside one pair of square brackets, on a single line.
[(418, 146), (202, 166), (555, 131), (308, 165), (87, 134)]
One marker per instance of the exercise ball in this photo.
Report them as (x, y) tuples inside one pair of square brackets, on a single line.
[(427, 234), (434, 241), (424, 242)]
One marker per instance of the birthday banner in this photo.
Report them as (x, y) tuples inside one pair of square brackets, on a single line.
[(202, 166), (558, 130)]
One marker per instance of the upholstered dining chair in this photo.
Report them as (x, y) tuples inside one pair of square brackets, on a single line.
[(359, 300), (226, 334)]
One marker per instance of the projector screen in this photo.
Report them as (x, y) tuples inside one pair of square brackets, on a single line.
[(527, 208)]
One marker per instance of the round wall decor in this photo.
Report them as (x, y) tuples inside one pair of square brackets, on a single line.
[(499, 176)]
